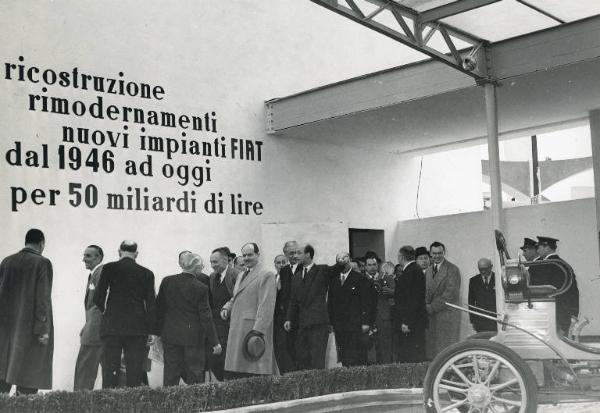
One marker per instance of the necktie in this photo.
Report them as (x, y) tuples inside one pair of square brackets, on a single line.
[(218, 279), (244, 275), (343, 279), (304, 274), (435, 269)]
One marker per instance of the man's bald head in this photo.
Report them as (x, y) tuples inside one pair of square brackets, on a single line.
[(485, 266)]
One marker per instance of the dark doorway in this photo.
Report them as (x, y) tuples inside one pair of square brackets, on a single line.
[(363, 240)]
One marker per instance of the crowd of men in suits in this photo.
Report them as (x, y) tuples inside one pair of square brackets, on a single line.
[(243, 319)]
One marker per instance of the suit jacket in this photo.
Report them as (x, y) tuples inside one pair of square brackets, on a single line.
[(221, 325), (230, 278), (251, 308), (90, 333), (130, 309), (308, 298), (183, 313), (282, 301), (483, 297), (444, 322), (409, 299), (349, 304), (385, 301), (26, 312)]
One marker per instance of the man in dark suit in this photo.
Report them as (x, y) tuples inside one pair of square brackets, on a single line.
[(26, 325), (349, 305), (185, 324), (129, 315), (307, 312), (410, 314), (222, 282), (283, 340), (90, 351), (567, 304), (482, 294)]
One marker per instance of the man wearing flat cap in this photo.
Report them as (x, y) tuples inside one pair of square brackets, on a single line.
[(567, 304), (529, 249)]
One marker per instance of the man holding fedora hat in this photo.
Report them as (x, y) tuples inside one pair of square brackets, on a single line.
[(250, 340)]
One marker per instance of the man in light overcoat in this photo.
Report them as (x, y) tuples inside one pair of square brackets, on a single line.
[(250, 309), (443, 286)]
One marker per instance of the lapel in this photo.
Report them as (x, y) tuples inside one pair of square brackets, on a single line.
[(213, 276), (310, 276), (440, 276), (93, 279), (351, 280), (246, 281)]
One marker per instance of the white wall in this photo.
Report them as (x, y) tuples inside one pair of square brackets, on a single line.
[(468, 237), (209, 55)]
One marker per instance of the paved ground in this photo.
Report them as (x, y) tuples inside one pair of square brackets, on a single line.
[(571, 408)]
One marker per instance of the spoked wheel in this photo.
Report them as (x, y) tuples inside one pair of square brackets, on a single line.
[(479, 376)]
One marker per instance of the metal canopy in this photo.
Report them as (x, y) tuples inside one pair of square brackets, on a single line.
[(458, 33)]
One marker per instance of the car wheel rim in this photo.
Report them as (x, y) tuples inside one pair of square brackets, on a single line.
[(479, 381)]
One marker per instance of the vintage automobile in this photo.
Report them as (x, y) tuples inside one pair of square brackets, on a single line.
[(527, 361)]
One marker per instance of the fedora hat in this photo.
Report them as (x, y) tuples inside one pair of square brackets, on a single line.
[(254, 345)]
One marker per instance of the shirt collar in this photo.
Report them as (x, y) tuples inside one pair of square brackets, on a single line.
[(345, 274), (308, 267)]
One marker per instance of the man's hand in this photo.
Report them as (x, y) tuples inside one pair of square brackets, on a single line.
[(364, 328), (405, 329), (43, 339), (217, 349), (287, 326), (224, 314)]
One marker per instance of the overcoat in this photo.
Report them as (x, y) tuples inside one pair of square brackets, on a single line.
[(251, 308), (25, 313), (444, 322)]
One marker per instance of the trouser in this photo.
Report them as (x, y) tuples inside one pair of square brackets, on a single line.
[(216, 362), (86, 367), (185, 362), (349, 348), (284, 347), (311, 346), (411, 347), (383, 342), (134, 349), (5, 388)]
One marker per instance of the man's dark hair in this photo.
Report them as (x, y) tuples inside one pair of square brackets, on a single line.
[(98, 250), (308, 249), (371, 254), (407, 252), (130, 246), (232, 256), (254, 246), (34, 236), (224, 251), (437, 244)]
